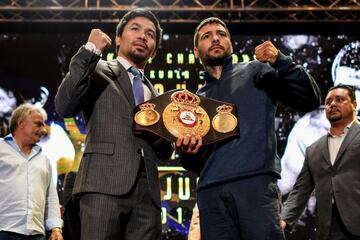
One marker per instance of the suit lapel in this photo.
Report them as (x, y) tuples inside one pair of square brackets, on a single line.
[(153, 91), (123, 80), (325, 148), (352, 133)]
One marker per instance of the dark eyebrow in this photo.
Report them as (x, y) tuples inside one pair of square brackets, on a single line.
[(135, 24), (139, 25), (205, 33)]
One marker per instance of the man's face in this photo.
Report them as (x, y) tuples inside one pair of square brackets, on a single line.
[(339, 107), (138, 41), (32, 128), (213, 45), (7, 103)]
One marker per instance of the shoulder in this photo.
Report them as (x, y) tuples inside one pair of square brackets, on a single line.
[(318, 144), (102, 64), (107, 68), (2, 140), (253, 66), (355, 129), (356, 125), (44, 159)]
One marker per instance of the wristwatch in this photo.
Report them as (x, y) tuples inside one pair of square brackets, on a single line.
[(56, 229)]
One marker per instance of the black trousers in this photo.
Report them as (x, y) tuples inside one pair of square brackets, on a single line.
[(72, 227), (4, 235), (245, 209)]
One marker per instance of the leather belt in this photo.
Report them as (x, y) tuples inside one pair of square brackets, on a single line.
[(180, 112)]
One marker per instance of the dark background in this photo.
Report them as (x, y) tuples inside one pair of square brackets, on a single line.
[(38, 54)]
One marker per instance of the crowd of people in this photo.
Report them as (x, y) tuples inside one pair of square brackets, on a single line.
[(112, 188)]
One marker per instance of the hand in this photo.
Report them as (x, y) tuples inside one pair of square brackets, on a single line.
[(189, 143), (56, 235), (266, 52), (282, 224), (100, 39)]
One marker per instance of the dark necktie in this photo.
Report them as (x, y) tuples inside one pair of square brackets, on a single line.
[(138, 88)]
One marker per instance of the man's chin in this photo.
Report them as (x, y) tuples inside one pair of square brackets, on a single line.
[(334, 119), (213, 62), (139, 57)]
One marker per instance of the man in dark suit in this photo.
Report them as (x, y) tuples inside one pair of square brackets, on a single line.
[(332, 167), (117, 181)]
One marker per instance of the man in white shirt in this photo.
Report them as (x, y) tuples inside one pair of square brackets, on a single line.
[(29, 205)]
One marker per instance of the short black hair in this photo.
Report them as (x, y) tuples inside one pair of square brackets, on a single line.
[(350, 89), (139, 12), (206, 21)]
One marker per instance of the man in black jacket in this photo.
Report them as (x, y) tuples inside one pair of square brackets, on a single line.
[(240, 176)]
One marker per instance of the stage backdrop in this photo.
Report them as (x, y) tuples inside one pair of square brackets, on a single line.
[(33, 65)]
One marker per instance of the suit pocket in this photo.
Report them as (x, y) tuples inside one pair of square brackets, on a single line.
[(106, 148)]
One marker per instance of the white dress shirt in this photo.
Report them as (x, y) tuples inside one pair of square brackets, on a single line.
[(127, 65), (29, 203), (334, 143)]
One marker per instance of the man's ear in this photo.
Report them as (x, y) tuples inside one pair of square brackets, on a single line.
[(355, 106), (20, 122), (117, 43), (196, 52)]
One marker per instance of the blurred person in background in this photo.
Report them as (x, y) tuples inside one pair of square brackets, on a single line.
[(29, 205), (331, 164), (310, 127)]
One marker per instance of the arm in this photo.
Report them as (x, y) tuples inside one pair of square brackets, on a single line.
[(53, 221), (191, 152), (192, 162), (285, 81), (298, 197), (163, 148), (73, 91)]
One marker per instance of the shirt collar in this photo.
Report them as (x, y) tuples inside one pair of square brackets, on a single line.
[(10, 139), (345, 130), (125, 63)]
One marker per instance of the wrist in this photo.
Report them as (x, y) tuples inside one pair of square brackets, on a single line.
[(92, 48)]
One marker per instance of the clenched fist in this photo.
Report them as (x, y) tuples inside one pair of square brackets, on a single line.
[(100, 39), (266, 52)]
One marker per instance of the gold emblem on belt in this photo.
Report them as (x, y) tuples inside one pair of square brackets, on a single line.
[(224, 121), (147, 116), (184, 115)]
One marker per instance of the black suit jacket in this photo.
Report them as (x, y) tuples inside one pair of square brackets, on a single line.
[(341, 181), (102, 91)]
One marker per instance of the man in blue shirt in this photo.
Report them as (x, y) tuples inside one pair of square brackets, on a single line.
[(29, 205), (237, 192)]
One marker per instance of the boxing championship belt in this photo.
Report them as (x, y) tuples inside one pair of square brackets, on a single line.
[(179, 112)]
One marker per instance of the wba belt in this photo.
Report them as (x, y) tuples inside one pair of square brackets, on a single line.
[(180, 112)]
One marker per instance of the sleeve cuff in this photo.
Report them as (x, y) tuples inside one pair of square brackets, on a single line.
[(92, 48), (53, 223)]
